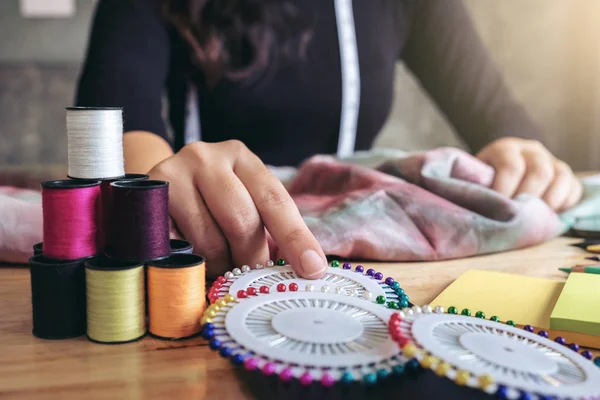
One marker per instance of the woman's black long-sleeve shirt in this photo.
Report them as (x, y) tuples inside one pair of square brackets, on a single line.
[(135, 58)]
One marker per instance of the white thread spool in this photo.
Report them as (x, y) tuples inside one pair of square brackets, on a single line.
[(350, 77), (95, 142)]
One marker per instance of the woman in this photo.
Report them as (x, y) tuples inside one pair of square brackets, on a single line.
[(272, 89)]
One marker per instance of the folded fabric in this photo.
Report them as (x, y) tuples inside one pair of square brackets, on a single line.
[(425, 206), (383, 205)]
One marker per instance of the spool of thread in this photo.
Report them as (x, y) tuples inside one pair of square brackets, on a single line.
[(140, 222), (176, 296), (179, 246), (95, 142), (57, 298), (70, 214), (115, 301), (38, 248), (106, 204)]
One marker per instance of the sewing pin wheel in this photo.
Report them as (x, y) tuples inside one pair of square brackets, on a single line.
[(497, 358), (368, 285), (308, 336)]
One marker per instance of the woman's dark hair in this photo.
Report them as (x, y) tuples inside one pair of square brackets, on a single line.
[(239, 39)]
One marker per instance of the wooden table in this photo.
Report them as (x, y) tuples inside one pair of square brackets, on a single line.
[(152, 369)]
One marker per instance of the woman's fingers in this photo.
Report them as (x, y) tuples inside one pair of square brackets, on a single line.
[(222, 197), (173, 231), (539, 172), (281, 217), (575, 194), (198, 226), (560, 188), (525, 166), (232, 208), (507, 160)]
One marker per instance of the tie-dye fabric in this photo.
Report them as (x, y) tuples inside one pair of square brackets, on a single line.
[(426, 206)]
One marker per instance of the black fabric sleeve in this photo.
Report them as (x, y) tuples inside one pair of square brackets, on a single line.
[(447, 56), (127, 63)]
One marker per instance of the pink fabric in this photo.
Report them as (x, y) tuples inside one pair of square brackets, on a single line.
[(426, 206), (20, 223)]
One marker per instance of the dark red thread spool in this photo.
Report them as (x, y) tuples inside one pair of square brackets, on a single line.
[(106, 205), (139, 221), (70, 212)]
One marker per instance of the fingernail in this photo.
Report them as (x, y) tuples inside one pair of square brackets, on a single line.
[(312, 264)]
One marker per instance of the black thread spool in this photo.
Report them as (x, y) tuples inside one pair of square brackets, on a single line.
[(57, 298), (38, 248), (139, 221), (179, 246), (106, 205)]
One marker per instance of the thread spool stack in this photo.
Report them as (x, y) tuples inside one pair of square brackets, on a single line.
[(72, 221), (101, 228)]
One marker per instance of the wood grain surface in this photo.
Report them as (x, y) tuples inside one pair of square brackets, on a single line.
[(32, 368)]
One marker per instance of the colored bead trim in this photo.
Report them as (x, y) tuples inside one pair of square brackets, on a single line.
[(368, 374), (441, 368), (402, 301)]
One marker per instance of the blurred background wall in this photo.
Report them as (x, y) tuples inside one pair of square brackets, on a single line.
[(548, 51)]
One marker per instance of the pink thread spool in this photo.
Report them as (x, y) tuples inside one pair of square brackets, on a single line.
[(70, 212)]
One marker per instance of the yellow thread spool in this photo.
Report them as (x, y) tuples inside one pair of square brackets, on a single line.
[(176, 296), (115, 301)]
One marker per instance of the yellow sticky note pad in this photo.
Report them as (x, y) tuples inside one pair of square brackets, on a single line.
[(523, 299), (578, 307)]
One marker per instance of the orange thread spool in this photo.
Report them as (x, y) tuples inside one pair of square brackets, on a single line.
[(176, 295)]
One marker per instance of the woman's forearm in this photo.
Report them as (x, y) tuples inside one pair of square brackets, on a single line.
[(143, 150)]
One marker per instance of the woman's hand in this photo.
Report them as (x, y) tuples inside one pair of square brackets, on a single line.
[(525, 166), (225, 201)]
